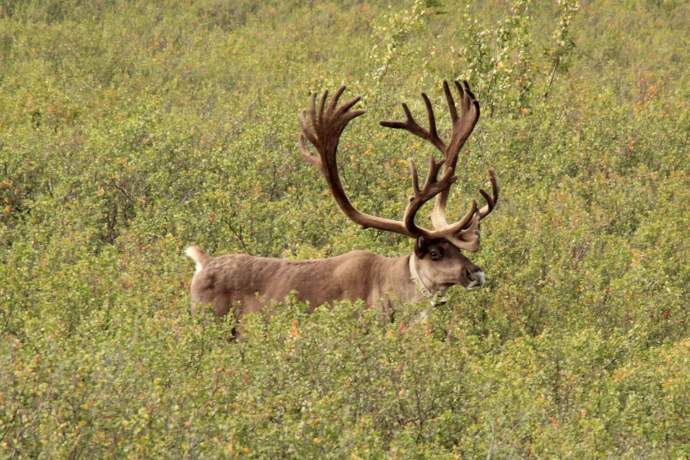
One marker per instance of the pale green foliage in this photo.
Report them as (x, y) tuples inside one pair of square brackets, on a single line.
[(391, 32), (131, 129)]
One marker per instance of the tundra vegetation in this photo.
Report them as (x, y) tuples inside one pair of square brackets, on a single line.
[(131, 129)]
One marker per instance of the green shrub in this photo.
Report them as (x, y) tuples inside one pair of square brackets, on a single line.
[(131, 129)]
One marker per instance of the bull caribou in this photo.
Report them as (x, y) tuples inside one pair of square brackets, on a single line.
[(246, 283)]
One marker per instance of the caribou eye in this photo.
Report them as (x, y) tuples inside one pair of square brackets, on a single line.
[(436, 254)]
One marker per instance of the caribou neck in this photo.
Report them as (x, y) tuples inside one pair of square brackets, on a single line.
[(400, 281)]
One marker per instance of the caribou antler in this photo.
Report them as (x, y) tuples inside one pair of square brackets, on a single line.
[(464, 233), (323, 128)]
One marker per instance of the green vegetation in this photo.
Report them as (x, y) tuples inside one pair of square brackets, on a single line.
[(131, 129)]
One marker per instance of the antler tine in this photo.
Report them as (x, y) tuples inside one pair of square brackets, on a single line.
[(335, 99), (411, 125), (347, 106), (312, 113), (415, 177), (316, 161), (432, 176), (463, 88), (451, 103), (435, 139), (322, 105), (306, 130), (490, 201)]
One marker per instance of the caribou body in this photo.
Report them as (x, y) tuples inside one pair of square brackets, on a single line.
[(244, 283)]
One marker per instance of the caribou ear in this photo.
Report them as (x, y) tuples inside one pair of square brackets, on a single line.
[(421, 246)]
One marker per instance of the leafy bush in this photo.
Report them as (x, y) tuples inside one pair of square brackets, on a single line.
[(132, 129)]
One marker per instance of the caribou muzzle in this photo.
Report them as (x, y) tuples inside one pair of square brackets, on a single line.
[(473, 278)]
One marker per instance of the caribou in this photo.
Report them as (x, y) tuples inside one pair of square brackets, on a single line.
[(245, 283)]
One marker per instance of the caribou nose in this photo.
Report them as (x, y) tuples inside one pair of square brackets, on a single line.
[(476, 277)]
